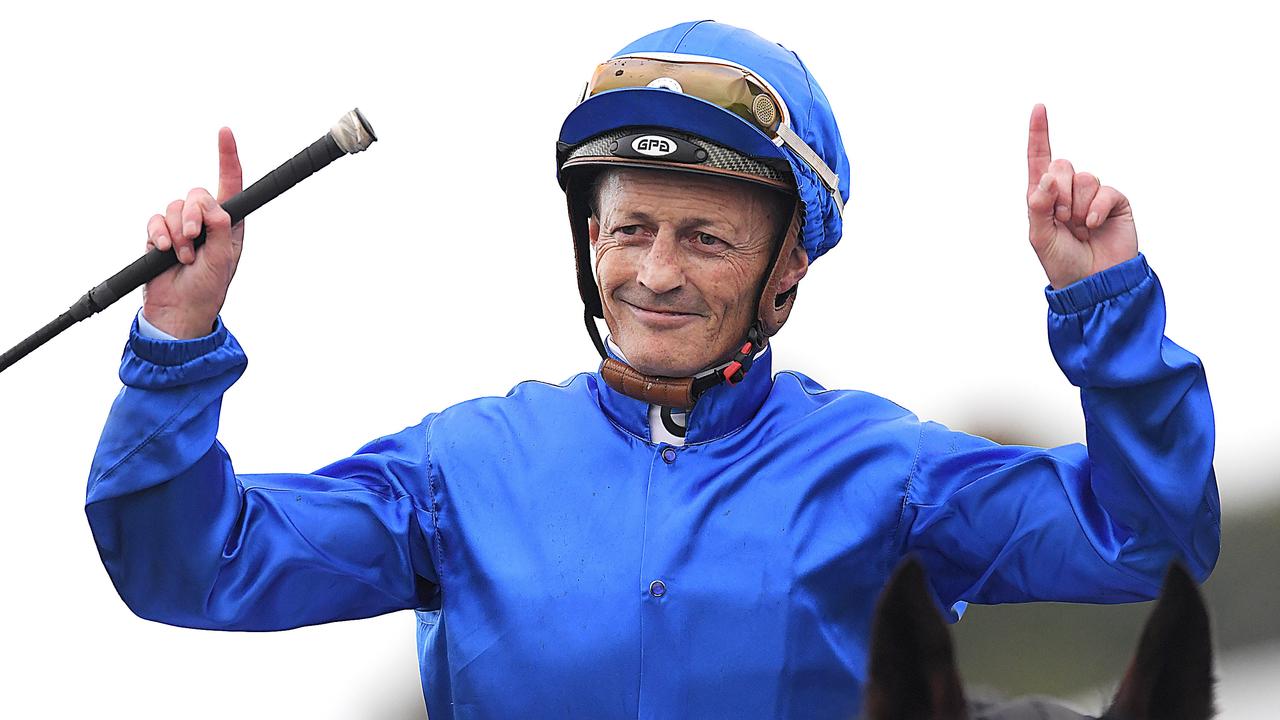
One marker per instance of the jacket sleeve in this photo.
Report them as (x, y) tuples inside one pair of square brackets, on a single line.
[(996, 523), (189, 542)]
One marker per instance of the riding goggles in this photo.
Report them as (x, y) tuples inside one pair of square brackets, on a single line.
[(727, 85)]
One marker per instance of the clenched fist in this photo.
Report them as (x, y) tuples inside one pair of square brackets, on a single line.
[(185, 300), (1078, 226)]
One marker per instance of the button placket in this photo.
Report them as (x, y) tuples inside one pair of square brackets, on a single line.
[(669, 454), (663, 614)]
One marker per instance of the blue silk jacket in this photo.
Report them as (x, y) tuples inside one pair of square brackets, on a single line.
[(564, 566)]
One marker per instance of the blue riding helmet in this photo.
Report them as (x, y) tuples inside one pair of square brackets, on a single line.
[(805, 141)]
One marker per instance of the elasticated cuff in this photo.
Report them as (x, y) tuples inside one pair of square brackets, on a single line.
[(175, 352), (155, 364), (1098, 287)]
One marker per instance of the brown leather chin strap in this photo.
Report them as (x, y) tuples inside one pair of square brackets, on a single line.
[(772, 310), (653, 389)]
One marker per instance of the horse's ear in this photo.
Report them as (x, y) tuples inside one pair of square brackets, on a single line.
[(1171, 675), (913, 672)]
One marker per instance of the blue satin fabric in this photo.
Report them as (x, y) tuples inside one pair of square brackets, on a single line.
[(529, 529)]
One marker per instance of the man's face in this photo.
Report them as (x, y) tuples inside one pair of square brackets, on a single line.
[(679, 261)]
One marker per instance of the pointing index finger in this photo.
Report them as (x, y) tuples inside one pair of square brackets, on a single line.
[(230, 178), (1038, 153)]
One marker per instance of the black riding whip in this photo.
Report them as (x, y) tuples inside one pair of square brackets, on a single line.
[(351, 135)]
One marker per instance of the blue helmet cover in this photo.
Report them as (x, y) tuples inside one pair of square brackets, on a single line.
[(811, 116)]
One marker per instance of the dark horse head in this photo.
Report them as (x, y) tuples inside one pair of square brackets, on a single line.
[(913, 674)]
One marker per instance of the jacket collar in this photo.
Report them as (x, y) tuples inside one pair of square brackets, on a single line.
[(720, 411)]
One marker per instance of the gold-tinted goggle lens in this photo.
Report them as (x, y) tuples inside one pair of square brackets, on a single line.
[(733, 89)]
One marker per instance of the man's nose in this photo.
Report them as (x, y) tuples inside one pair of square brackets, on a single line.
[(660, 271)]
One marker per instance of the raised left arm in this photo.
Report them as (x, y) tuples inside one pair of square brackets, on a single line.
[(1100, 523)]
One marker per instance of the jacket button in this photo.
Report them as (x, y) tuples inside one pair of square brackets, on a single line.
[(657, 588), (668, 455)]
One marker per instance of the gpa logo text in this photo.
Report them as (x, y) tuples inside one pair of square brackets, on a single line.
[(653, 145)]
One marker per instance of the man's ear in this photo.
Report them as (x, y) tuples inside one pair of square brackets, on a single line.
[(912, 674), (1171, 676), (593, 229), (794, 265), (780, 287)]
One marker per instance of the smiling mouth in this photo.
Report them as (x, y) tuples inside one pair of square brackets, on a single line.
[(666, 313), (661, 320)]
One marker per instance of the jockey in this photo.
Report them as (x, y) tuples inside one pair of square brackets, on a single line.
[(682, 532)]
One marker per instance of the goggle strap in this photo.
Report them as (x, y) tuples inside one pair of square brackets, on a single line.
[(806, 153)]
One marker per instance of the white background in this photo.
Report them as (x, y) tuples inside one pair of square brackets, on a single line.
[(437, 266)]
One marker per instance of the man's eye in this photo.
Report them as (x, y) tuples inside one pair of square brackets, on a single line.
[(629, 229), (707, 239)]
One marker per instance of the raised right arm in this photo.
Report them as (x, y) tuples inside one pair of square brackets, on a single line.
[(188, 542)]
